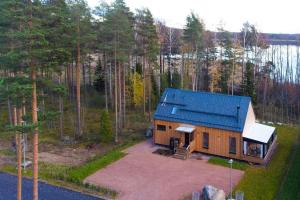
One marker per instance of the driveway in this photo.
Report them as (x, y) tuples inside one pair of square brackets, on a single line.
[(8, 185), (142, 175)]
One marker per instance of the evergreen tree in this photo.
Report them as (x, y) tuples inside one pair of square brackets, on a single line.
[(249, 83), (226, 62), (193, 37), (99, 82), (105, 127)]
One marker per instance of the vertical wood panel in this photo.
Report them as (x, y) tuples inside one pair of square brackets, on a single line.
[(218, 138)]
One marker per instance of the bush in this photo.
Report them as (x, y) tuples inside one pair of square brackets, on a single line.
[(105, 127)]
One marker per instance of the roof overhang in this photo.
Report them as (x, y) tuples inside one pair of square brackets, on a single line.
[(185, 129), (259, 132)]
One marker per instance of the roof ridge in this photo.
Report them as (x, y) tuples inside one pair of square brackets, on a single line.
[(208, 93)]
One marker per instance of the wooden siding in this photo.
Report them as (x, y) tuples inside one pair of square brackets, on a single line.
[(218, 138)]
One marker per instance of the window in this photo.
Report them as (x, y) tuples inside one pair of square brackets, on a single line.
[(254, 149), (232, 145), (170, 127), (205, 140), (161, 127)]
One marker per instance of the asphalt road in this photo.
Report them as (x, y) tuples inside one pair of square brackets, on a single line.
[(8, 185)]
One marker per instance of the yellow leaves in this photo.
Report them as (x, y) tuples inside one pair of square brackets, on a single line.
[(215, 77), (137, 89)]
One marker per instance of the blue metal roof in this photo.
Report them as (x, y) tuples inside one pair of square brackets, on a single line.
[(203, 109)]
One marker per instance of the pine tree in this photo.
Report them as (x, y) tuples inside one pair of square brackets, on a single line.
[(193, 37), (99, 83), (105, 127), (81, 17), (249, 83), (118, 31)]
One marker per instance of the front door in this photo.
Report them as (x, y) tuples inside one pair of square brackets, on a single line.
[(186, 139)]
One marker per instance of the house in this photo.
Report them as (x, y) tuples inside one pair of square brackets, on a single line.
[(212, 123)]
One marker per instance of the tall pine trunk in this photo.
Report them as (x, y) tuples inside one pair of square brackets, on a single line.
[(19, 154), (34, 116), (105, 81), (61, 116), (78, 106), (116, 93)]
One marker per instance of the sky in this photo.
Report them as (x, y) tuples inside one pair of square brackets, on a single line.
[(269, 16)]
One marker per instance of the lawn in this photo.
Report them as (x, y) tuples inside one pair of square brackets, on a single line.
[(291, 185), (224, 162), (261, 183)]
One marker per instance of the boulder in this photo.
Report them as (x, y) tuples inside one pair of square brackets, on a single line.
[(219, 195), (211, 193), (208, 192)]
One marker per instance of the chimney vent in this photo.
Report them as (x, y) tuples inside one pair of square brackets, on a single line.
[(238, 113)]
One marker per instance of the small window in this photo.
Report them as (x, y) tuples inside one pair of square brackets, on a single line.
[(232, 145), (170, 127), (161, 127), (205, 140)]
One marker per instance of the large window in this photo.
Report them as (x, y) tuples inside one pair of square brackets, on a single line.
[(252, 148), (161, 127), (232, 145), (205, 140)]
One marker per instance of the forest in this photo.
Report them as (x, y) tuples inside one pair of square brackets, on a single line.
[(60, 60)]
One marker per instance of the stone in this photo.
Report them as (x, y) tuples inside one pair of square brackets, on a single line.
[(219, 195), (208, 192)]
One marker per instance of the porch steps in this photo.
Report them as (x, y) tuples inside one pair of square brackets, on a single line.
[(181, 153)]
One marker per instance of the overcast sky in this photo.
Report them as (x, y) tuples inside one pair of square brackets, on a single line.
[(270, 16)]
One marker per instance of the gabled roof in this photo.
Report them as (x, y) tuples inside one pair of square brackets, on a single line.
[(203, 108)]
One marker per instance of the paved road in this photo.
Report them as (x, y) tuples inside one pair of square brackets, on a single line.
[(8, 190)]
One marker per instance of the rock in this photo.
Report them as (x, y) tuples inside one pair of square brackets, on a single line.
[(219, 195), (211, 193), (208, 192)]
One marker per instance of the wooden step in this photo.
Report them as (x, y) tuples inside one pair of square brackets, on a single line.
[(181, 150), (179, 156)]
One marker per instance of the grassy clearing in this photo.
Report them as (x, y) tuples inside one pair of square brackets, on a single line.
[(224, 162), (290, 186), (72, 177), (263, 183), (7, 152)]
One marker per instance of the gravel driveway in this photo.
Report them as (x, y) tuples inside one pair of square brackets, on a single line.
[(8, 185), (142, 175)]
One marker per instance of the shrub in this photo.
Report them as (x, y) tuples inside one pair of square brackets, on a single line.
[(105, 127)]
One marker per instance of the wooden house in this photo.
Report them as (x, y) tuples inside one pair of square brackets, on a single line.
[(212, 123)]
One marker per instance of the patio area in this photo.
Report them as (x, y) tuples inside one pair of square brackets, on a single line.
[(144, 175)]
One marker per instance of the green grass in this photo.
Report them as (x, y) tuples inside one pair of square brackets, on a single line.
[(263, 183), (72, 177), (224, 162), (78, 174), (58, 175), (291, 186), (7, 152), (46, 171)]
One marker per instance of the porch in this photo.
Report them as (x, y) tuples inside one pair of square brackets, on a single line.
[(259, 143), (187, 142)]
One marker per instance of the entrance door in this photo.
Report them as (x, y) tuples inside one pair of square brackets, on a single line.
[(186, 139)]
